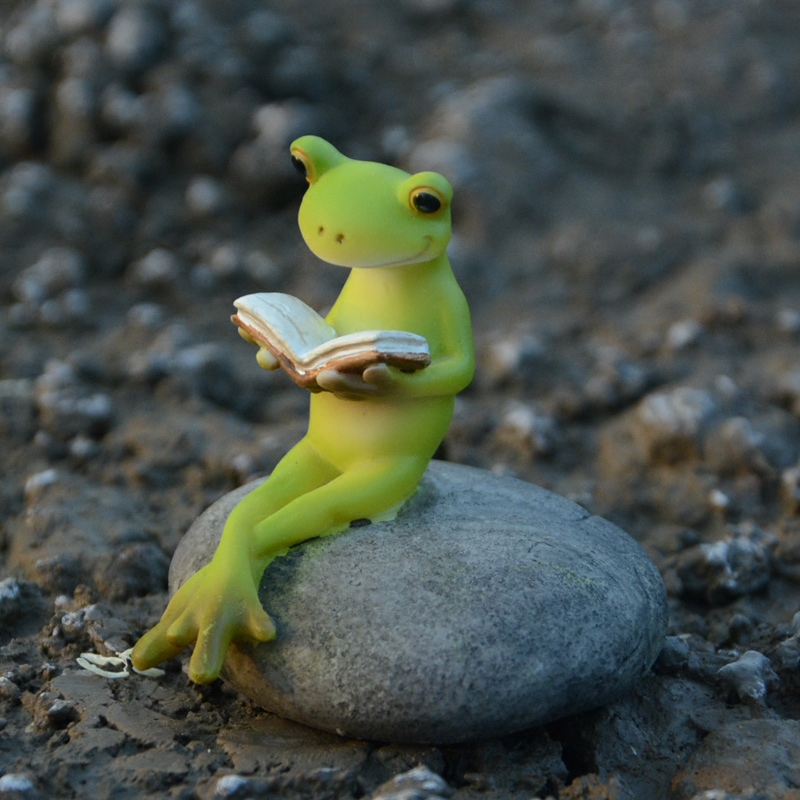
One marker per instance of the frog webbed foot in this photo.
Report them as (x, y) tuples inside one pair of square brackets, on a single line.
[(210, 611)]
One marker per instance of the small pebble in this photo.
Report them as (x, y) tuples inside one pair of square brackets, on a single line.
[(226, 261), (616, 382), (419, 783), (83, 448), (231, 786), (262, 269), (82, 16), (41, 480), (506, 357), (146, 315), (735, 446), (9, 691), (723, 194), (726, 387), (135, 38), (787, 654), (27, 184), (266, 30), (278, 124), (750, 676), (205, 196), (19, 600), (788, 320), (175, 111), (9, 590), (61, 713), (683, 334), (15, 782), (58, 269), (32, 40), (668, 424), (159, 268), (674, 655), (732, 567), (122, 108), (526, 431), (718, 500), (740, 628), (67, 412)]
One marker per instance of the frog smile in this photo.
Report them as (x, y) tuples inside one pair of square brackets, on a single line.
[(415, 259)]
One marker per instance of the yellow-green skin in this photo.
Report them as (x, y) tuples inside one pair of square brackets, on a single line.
[(369, 439)]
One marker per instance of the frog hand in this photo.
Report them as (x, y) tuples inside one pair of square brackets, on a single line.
[(265, 359), (376, 381), (210, 610)]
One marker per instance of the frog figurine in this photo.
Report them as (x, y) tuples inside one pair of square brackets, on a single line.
[(370, 437)]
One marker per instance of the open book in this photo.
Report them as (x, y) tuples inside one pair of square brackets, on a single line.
[(305, 345)]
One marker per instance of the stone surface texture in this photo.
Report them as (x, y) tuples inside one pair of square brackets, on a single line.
[(488, 606)]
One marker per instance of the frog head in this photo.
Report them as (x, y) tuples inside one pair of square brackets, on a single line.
[(364, 214)]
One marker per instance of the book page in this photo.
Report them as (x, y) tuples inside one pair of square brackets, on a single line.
[(290, 324)]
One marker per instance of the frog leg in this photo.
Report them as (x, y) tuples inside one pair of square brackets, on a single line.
[(220, 602), (300, 471), (216, 606), (366, 489)]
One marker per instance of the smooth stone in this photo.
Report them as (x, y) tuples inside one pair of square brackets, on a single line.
[(488, 606)]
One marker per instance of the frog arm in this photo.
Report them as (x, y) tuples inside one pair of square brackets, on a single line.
[(450, 371), (453, 364)]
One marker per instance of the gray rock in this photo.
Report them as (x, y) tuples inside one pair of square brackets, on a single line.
[(488, 606)]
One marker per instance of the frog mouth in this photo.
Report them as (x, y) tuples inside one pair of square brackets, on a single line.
[(408, 260)]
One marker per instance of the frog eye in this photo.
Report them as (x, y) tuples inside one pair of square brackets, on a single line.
[(302, 162), (302, 165), (299, 165), (426, 201)]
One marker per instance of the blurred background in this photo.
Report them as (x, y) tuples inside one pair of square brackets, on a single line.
[(627, 231)]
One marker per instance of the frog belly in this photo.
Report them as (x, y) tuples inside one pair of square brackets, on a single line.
[(347, 431)]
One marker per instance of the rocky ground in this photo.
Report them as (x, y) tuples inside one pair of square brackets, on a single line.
[(628, 235)]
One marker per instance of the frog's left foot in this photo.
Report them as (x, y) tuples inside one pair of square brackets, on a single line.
[(203, 614)]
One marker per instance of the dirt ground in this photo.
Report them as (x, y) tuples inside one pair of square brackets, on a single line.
[(627, 231)]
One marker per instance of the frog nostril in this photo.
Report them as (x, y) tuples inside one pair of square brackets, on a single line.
[(320, 230), (340, 238)]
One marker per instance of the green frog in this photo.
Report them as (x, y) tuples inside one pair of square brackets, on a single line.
[(370, 436)]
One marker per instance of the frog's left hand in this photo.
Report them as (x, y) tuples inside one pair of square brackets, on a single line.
[(265, 359), (376, 381), (210, 612)]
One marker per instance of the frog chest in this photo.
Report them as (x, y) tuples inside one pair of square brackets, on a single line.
[(377, 309)]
